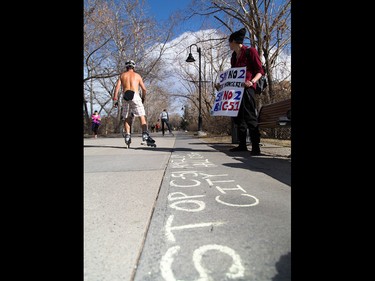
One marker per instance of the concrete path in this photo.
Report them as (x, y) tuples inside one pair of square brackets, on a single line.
[(185, 210)]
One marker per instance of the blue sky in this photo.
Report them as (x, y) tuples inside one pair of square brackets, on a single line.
[(162, 9)]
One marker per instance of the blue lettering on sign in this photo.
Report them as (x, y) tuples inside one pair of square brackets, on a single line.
[(218, 96), (217, 107), (232, 74), (242, 74), (238, 95), (223, 76)]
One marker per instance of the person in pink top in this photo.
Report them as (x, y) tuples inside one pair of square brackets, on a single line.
[(95, 119)]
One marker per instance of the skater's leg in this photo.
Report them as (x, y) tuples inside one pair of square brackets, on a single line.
[(127, 129), (142, 118), (145, 134), (127, 124), (147, 139)]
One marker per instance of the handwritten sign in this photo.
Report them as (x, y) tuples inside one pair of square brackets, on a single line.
[(228, 98)]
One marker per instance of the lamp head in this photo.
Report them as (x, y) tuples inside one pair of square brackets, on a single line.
[(190, 58)]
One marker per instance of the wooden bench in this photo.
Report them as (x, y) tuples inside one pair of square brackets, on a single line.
[(275, 115)]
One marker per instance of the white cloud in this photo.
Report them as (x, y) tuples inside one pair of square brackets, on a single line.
[(178, 50)]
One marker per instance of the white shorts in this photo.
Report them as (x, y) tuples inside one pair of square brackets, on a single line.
[(134, 106)]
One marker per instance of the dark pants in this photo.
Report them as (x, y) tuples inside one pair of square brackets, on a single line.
[(167, 123), (247, 118), (95, 128)]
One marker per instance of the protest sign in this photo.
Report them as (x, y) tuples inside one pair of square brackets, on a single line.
[(228, 98)]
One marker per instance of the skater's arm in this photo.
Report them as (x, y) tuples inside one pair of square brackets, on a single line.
[(142, 85), (117, 89), (115, 94)]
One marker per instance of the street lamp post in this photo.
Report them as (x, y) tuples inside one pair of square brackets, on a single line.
[(191, 59)]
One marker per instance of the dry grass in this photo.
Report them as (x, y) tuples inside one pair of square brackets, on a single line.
[(228, 139), (285, 143)]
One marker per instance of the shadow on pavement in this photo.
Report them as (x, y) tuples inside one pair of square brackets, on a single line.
[(104, 146), (273, 165), (283, 267), (156, 149)]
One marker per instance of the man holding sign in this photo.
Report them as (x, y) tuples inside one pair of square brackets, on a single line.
[(247, 113)]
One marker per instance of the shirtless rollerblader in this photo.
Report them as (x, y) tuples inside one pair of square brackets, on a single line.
[(130, 82)]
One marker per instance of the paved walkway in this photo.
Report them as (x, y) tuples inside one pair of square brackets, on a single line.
[(185, 210)]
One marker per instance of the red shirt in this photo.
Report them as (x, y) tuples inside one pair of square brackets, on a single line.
[(253, 66)]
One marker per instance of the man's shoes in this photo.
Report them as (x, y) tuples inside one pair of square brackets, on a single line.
[(238, 148), (255, 153)]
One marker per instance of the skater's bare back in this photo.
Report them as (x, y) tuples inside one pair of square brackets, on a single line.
[(131, 80)]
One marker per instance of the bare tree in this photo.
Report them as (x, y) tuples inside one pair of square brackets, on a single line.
[(268, 22), (115, 31)]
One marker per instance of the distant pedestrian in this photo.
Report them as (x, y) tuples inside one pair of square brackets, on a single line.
[(95, 123), (164, 117)]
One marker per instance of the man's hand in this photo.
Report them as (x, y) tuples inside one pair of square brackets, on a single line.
[(248, 83), (143, 99), (115, 104)]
